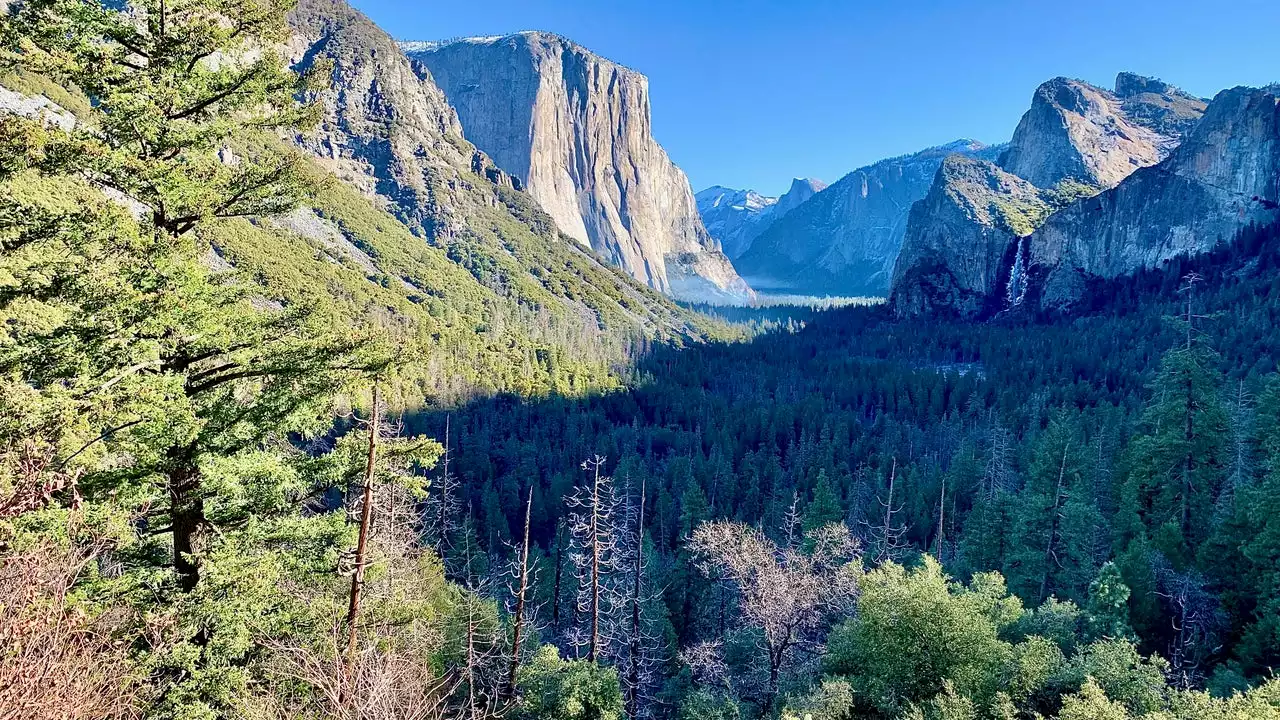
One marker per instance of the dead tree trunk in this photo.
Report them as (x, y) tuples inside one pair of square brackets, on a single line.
[(518, 621), (366, 514), (593, 649), (1055, 520), (633, 677)]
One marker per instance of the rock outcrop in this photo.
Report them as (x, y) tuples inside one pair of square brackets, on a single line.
[(735, 217), (845, 239), (964, 240), (1075, 141), (1225, 175), (382, 129), (574, 128), (1076, 131)]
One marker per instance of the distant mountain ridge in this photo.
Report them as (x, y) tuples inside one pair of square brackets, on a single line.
[(843, 241), (735, 217)]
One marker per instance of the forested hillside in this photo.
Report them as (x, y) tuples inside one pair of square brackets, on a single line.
[(267, 453)]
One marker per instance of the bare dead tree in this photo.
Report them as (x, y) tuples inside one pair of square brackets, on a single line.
[(366, 514), (1060, 497), (888, 537), (642, 640), (390, 680), (517, 622), (596, 559), (1195, 617), (997, 476), (443, 505), (792, 520), (942, 517), (787, 594)]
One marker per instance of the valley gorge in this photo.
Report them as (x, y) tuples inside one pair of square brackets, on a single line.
[(348, 374)]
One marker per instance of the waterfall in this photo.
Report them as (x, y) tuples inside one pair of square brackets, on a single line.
[(1017, 289)]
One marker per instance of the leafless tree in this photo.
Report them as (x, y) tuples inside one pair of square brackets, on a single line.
[(888, 537), (366, 516), (1195, 618), (520, 592), (641, 637), (597, 561), (481, 676), (792, 521), (1060, 498), (443, 505), (788, 595), (389, 680), (997, 476)]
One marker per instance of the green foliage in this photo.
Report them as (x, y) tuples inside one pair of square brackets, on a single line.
[(1107, 614), (556, 689), (912, 633), (831, 700), (1021, 215), (1067, 191)]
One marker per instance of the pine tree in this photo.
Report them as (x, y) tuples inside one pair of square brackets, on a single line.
[(179, 364), (1180, 463), (1053, 520), (1107, 613), (825, 508)]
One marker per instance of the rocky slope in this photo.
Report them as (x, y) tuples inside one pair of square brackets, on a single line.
[(735, 217), (845, 239), (1080, 132), (1225, 175), (963, 239), (574, 128), (486, 257)]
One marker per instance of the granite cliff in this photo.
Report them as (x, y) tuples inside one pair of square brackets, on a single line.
[(1076, 131), (1225, 175), (574, 129), (961, 239)]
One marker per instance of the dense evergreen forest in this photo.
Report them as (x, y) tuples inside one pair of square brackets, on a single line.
[(237, 489), (1123, 449)]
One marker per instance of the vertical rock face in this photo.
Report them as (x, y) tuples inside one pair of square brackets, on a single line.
[(1075, 131), (1225, 175), (735, 217), (574, 128), (845, 239), (799, 193), (961, 239)]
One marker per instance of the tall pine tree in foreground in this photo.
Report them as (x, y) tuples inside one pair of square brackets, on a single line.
[(156, 355)]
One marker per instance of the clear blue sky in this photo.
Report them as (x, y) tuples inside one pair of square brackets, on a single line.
[(754, 92)]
